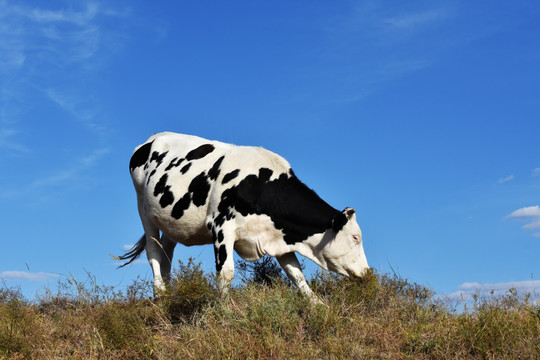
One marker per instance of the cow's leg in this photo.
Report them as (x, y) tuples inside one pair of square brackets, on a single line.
[(156, 256), (289, 263), (223, 250), (165, 265)]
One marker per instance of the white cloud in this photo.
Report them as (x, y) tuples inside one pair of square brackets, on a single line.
[(531, 214), (42, 36), (81, 110), (127, 247), (529, 211), (506, 179), (16, 275), (54, 48), (139, 260), (80, 18), (62, 176), (94, 157), (407, 21), (468, 290), (533, 225), (8, 143), (372, 38), (47, 43)]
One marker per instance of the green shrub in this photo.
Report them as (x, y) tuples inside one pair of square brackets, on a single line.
[(121, 326), (190, 291), (276, 313), (506, 326), (20, 330)]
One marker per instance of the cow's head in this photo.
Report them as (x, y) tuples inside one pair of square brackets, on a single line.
[(344, 252)]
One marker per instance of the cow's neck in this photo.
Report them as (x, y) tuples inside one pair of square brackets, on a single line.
[(314, 247)]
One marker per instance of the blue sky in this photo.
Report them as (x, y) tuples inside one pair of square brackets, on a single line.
[(424, 116)]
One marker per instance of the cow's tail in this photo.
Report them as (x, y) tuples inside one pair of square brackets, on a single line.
[(134, 253)]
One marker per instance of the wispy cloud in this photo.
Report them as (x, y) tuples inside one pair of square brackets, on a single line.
[(531, 214), (381, 44), (415, 19), (8, 143), (80, 108), (53, 36), (536, 172), (529, 211), (61, 177), (506, 179), (382, 73), (71, 176), (55, 48), (140, 260), (378, 19), (15, 275), (80, 18), (468, 290), (127, 247)]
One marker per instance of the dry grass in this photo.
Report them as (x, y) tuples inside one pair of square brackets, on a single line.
[(378, 317)]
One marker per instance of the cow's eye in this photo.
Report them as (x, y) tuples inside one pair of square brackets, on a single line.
[(356, 238)]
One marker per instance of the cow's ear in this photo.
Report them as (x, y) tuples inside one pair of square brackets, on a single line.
[(339, 221), (349, 212)]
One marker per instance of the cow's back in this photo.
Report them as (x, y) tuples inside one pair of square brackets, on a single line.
[(179, 180)]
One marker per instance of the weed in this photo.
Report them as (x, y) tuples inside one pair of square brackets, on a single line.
[(190, 291), (122, 326), (19, 325), (265, 271)]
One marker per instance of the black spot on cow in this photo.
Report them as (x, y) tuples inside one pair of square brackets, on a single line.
[(185, 168), (265, 174), (220, 219), (221, 256), (230, 176), (150, 176), (224, 216), (214, 171), (174, 163), (181, 206), (197, 192), (293, 207), (162, 188), (167, 198), (157, 157), (140, 157), (220, 236), (200, 152), (339, 221), (199, 187)]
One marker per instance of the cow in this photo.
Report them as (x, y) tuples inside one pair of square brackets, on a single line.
[(195, 191)]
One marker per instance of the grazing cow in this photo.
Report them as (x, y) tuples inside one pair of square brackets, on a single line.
[(197, 191)]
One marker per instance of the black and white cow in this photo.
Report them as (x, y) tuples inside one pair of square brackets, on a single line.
[(241, 198)]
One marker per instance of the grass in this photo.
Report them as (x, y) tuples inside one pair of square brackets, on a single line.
[(380, 316)]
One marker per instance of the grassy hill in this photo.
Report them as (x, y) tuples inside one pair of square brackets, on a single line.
[(377, 317)]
